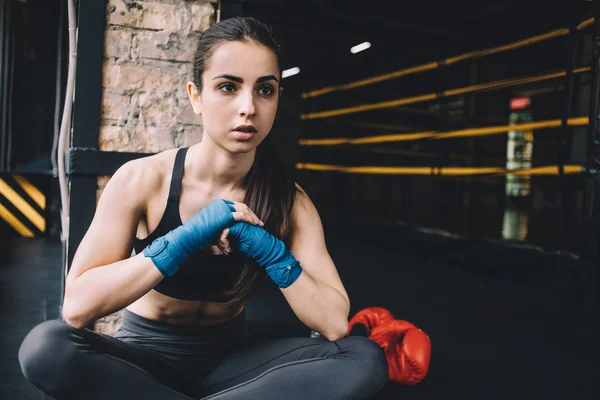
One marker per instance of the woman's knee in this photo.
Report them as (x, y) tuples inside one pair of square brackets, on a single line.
[(45, 351), (370, 359)]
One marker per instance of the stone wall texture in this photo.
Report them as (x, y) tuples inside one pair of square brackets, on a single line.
[(148, 53), (149, 49)]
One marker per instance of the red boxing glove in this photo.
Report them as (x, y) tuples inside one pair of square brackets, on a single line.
[(370, 317), (407, 349)]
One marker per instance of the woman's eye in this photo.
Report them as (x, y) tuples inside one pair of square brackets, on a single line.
[(266, 90), (227, 87)]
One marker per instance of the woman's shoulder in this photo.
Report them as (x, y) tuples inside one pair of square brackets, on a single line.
[(146, 174), (303, 204), (301, 197), (305, 220)]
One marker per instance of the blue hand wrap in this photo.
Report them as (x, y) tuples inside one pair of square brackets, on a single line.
[(170, 250), (268, 251)]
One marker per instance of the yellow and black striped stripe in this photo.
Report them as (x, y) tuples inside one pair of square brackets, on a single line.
[(22, 206)]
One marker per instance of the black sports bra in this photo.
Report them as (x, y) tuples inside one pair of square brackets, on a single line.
[(202, 276)]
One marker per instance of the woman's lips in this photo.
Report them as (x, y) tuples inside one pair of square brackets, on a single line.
[(243, 135)]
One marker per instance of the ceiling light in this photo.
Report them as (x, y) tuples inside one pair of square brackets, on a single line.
[(360, 47), (290, 72)]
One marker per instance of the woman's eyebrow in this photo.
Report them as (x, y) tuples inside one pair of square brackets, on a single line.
[(267, 78), (240, 80)]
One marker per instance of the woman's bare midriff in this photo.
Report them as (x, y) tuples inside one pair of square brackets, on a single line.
[(158, 307)]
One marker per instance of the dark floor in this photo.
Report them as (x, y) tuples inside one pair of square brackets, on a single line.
[(492, 337), (30, 286), (504, 322)]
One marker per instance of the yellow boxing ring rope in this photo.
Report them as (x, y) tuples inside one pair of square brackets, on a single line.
[(471, 132), (443, 171), (448, 61), (500, 84), (484, 131)]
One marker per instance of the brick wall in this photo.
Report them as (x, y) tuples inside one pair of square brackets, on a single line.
[(149, 49)]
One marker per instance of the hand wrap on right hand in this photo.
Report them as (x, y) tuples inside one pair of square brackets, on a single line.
[(169, 251), (268, 251)]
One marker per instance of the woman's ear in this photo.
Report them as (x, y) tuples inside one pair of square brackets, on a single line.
[(194, 97), (280, 90)]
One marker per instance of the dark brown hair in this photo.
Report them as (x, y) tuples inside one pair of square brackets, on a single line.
[(270, 187)]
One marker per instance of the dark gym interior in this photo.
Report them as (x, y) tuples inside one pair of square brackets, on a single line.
[(505, 285)]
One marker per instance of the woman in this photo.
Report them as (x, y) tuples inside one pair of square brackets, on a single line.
[(183, 334)]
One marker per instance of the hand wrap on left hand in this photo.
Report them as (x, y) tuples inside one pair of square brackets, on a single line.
[(268, 251)]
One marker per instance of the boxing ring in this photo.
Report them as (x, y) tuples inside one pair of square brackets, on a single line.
[(498, 293)]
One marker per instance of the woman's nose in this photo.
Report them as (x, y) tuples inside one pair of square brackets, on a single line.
[(247, 104)]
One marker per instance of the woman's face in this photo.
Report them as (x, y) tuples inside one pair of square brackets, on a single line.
[(239, 96)]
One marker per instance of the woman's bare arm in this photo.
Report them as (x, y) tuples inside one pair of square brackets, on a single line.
[(318, 297), (103, 278)]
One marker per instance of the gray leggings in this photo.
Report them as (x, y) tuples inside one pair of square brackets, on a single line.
[(152, 360)]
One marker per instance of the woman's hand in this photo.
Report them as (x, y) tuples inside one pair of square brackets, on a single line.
[(242, 213), (268, 251), (202, 229)]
